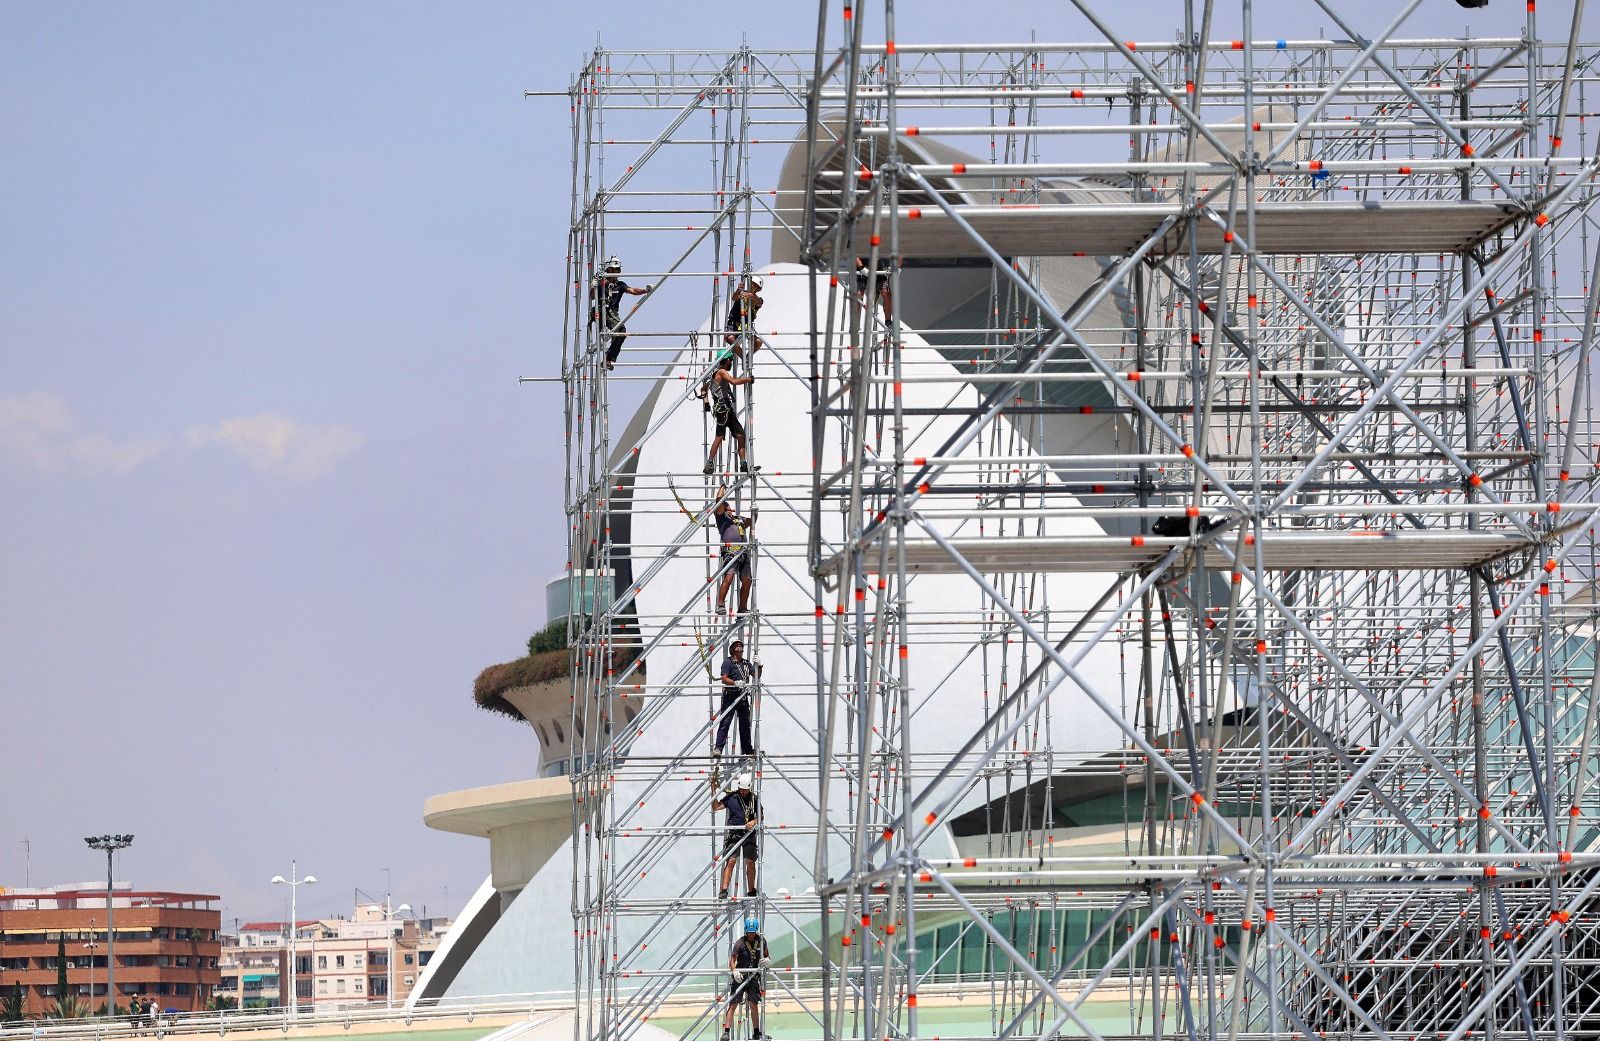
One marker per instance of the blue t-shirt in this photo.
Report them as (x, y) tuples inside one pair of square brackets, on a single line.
[(734, 670)]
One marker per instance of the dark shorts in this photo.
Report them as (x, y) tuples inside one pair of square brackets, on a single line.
[(745, 988), (741, 561), (728, 424), (740, 843)]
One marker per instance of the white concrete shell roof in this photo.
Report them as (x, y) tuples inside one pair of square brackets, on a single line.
[(949, 677)]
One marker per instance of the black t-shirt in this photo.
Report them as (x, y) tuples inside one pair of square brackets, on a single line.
[(864, 275), (722, 390), (741, 310), (741, 808), (608, 294), (729, 531), (748, 954)]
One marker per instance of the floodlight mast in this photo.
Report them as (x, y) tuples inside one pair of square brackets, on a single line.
[(110, 844)]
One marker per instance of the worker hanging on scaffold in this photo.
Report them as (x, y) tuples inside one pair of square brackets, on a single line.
[(738, 686), (742, 309), (724, 409), (606, 305), (864, 275), (734, 532), (747, 961), (742, 819)]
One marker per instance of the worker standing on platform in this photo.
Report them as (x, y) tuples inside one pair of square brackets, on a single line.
[(739, 842), (734, 533), (724, 409), (606, 305), (747, 961), (738, 680), (742, 308)]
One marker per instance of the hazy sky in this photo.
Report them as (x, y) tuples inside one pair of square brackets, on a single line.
[(270, 494)]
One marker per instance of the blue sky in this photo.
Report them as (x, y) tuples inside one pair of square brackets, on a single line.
[(272, 494)]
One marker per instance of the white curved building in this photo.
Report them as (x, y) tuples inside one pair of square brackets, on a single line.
[(502, 942)]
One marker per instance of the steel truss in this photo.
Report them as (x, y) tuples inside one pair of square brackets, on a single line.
[(1341, 539)]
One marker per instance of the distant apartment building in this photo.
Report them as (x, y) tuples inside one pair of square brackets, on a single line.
[(167, 946), (254, 965), (338, 961)]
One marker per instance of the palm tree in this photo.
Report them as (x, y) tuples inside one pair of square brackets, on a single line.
[(11, 1005), (67, 1006)]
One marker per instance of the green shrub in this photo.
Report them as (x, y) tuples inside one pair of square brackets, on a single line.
[(552, 637)]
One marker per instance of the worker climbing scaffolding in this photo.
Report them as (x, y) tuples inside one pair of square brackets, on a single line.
[(741, 824), (866, 274), (724, 410), (606, 306), (738, 687), (734, 532), (747, 962), (743, 306)]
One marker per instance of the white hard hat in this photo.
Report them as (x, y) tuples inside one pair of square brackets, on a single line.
[(613, 264), (755, 280), (740, 780)]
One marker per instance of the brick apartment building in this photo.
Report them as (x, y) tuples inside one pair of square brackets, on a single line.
[(167, 945)]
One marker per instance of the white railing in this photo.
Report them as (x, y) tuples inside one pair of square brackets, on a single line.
[(326, 1017)]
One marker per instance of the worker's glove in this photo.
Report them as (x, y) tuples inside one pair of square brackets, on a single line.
[(765, 962)]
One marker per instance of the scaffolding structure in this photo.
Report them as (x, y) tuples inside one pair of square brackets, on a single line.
[(667, 150), (1345, 538), (1238, 512)]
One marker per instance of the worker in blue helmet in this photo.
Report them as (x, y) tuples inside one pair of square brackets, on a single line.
[(747, 961)]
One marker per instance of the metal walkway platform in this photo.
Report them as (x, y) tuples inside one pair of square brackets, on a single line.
[(1281, 227), (1281, 551)]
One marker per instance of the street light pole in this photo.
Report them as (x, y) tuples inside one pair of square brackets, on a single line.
[(109, 843), (91, 946), (294, 885), (388, 916)]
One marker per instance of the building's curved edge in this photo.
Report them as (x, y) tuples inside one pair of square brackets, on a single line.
[(471, 926)]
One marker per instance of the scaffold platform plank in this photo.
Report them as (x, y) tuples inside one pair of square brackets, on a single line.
[(1280, 551), (1281, 227)]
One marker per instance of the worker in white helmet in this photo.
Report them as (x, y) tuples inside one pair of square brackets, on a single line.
[(606, 305), (742, 810), (742, 308)]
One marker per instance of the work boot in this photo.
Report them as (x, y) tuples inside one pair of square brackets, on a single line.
[(722, 894), (707, 468)]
